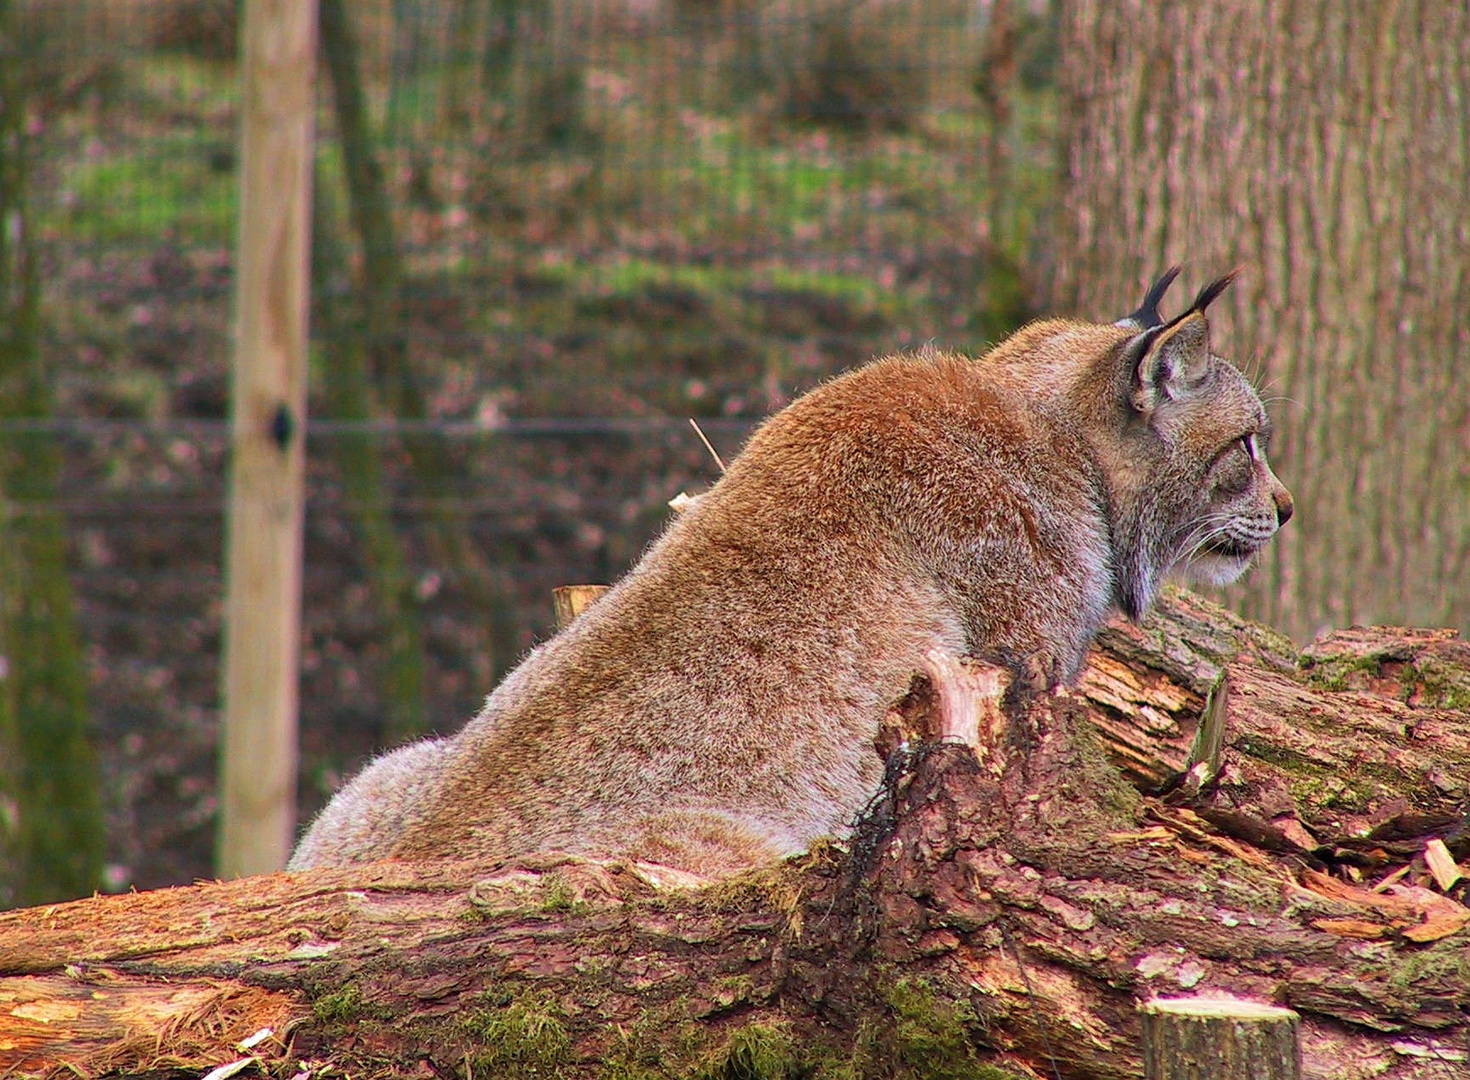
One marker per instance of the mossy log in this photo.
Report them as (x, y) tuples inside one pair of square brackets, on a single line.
[(1001, 910)]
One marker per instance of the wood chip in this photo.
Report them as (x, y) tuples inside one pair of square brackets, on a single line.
[(1442, 864), (1156, 832), (1244, 852), (255, 1040), (224, 1072), (1393, 878), (1427, 901), (1360, 929), (1438, 925), (1296, 834), (1332, 889)]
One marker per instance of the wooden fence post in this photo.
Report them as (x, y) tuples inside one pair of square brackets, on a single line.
[(267, 468), (1218, 1039)]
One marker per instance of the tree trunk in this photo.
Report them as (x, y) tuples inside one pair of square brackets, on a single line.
[(385, 341), (1005, 904), (348, 390), (1323, 148), (51, 832)]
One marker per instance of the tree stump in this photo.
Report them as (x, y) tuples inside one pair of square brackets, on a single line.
[(1218, 1039), (1006, 909)]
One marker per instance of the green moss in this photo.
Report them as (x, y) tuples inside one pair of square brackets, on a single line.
[(559, 897), (1336, 672), (757, 1051), (660, 1045), (339, 1007), (1440, 685), (734, 990), (930, 1039), (623, 1069), (923, 1036), (777, 886), (1099, 782), (1446, 962), (525, 1038), (1268, 640), (1283, 758), (345, 1005)]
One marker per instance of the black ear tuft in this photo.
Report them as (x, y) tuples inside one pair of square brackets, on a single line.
[(1147, 316), (1208, 294)]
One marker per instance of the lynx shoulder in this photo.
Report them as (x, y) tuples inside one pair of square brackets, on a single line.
[(718, 706)]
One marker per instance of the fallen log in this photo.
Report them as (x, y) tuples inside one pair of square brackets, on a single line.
[(1209, 812)]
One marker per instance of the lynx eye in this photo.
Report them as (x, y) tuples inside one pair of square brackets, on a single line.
[(1233, 467)]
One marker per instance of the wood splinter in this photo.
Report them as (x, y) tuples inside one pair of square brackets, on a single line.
[(569, 601), (969, 693)]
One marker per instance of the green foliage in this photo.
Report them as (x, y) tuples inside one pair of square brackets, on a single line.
[(203, 28), (619, 219), (858, 77), (180, 186)]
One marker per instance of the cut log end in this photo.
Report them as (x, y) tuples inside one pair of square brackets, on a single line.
[(1219, 1038)]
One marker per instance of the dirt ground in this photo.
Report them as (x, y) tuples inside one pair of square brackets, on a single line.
[(143, 397)]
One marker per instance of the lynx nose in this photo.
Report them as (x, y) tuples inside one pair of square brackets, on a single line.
[(1284, 506)]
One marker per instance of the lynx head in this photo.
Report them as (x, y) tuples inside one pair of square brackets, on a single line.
[(1192, 490)]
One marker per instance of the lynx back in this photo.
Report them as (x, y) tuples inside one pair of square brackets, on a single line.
[(719, 705)]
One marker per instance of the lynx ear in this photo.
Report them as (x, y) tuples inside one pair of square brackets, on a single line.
[(1147, 316), (1168, 362)]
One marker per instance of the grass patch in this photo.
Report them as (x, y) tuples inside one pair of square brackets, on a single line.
[(176, 186)]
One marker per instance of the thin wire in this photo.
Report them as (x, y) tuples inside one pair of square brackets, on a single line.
[(516, 428)]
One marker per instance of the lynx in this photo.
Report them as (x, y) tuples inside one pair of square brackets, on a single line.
[(718, 707)]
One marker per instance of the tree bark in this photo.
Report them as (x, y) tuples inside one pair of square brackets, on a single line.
[(51, 829), (1009, 904), (1321, 147)]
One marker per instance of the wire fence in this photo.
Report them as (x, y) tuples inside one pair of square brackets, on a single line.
[(601, 218)]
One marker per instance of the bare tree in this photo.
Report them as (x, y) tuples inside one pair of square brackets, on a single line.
[(1323, 147)]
